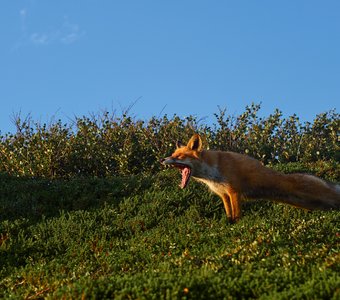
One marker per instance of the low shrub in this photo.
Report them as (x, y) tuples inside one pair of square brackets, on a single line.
[(107, 145)]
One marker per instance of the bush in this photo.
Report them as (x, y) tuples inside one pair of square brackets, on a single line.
[(107, 145)]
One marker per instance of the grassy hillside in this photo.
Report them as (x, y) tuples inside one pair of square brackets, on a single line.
[(142, 237)]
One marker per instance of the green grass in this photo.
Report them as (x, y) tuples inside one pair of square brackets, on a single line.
[(143, 237)]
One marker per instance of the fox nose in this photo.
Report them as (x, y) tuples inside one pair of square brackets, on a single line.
[(164, 160)]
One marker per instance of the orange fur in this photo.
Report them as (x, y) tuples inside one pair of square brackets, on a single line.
[(234, 176)]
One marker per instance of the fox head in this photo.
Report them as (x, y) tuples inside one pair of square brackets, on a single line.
[(185, 158)]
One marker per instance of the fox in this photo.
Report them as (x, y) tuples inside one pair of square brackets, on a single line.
[(235, 177)]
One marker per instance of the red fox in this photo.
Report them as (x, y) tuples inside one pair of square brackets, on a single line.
[(234, 176)]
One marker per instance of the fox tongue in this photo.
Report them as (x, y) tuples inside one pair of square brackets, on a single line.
[(186, 172)]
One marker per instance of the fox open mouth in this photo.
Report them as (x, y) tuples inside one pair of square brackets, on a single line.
[(186, 174)]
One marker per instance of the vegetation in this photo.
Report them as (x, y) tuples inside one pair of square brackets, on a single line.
[(73, 226), (107, 145)]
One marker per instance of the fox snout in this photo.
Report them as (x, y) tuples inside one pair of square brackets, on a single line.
[(166, 160), (162, 160)]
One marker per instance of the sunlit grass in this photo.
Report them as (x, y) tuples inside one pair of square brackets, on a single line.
[(143, 237)]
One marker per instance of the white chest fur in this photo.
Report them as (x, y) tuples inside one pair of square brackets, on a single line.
[(211, 176)]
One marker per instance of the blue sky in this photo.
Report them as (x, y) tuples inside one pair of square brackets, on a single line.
[(65, 58)]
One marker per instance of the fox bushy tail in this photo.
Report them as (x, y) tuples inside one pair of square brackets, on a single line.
[(309, 192)]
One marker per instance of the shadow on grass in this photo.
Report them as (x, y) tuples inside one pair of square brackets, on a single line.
[(35, 198)]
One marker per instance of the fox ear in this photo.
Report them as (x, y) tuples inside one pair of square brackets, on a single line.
[(195, 143), (179, 144)]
